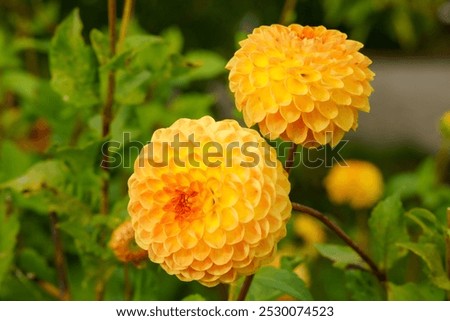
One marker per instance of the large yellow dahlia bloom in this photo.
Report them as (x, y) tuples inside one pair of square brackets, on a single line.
[(356, 183), (212, 209), (303, 84)]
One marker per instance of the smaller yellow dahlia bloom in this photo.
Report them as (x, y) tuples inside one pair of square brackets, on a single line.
[(309, 229), (208, 200), (357, 183), (303, 84), (123, 245)]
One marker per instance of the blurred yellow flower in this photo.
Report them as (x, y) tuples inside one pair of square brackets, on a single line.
[(303, 84), (445, 125), (357, 183), (309, 229), (214, 209), (123, 245)]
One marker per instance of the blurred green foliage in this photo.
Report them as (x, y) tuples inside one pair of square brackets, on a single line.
[(53, 83)]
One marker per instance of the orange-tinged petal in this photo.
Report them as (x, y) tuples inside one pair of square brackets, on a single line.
[(222, 256), (290, 113), (296, 87), (345, 118), (259, 78), (304, 103), (315, 121), (275, 123), (328, 109), (281, 94)]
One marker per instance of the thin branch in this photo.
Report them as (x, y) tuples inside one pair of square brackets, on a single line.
[(381, 276), (245, 287), (61, 269), (126, 17), (107, 107)]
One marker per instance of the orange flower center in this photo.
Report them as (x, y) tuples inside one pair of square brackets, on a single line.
[(182, 203)]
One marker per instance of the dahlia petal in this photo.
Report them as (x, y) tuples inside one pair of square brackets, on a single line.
[(220, 270), (229, 277), (264, 247), (235, 236), (255, 110), (268, 101), (304, 103), (277, 73), (310, 75), (252, 191), (246, 87), (244, 210), (328, 109), (263, 206), (201, 251), (341, 98), (315, 121), (319, 93), (211, 222), (296, 87), (187, 239), (243, 66), (362, 103), (183, 257), (290, 113), (230, 195), (345, 118), (275, 123), (322, 137), (215, 240), (259, 78), (332, 82), (252, 233), (221, 256), (229, 218), (281, 94), (259, 59), (297, 131), (338, 134), (353, 87), (241, 251), (201, 265)]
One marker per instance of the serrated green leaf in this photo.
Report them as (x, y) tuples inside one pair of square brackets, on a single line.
[(414, 292), (73, 65), (341, 255), (432, 258), (270, 283), (388, 228)]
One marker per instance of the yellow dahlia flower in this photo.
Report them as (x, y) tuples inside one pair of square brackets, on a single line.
[(208, 200), (309, 229), (123, 245), (303, 84), (358, 183)]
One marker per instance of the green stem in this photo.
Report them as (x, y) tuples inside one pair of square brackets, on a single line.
[(448, 248), (287, 13), (61, 269), (245, 287), (380, 275), (126, 17)]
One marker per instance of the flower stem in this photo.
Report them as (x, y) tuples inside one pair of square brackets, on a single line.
[(380, 275), (126, 17), (245, 287), (60, 264), (107, 114)]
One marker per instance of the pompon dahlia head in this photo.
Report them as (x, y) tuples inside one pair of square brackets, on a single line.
[(208, 200), (303, 84)]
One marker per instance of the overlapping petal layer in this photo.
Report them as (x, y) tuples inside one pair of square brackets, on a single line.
[(208, 200), (303, 84)]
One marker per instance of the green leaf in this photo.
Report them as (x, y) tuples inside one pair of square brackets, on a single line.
[(194, 297), (388, 228), (13, 161), (414, 292), (73, 65), (291, 262), (203, 65), (270, 283), (363, 286), (32, 262), (431, 256), (341, 255), (9, 227)]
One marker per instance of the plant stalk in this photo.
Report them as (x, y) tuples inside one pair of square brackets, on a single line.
[(380, 275), (61, 269), (245, 287), (126, 17), (448, 248), (287, 13)]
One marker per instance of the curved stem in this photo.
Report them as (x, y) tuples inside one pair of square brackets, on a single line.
[(290, 158), (245, 287), (381, 276), (60, 263)]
